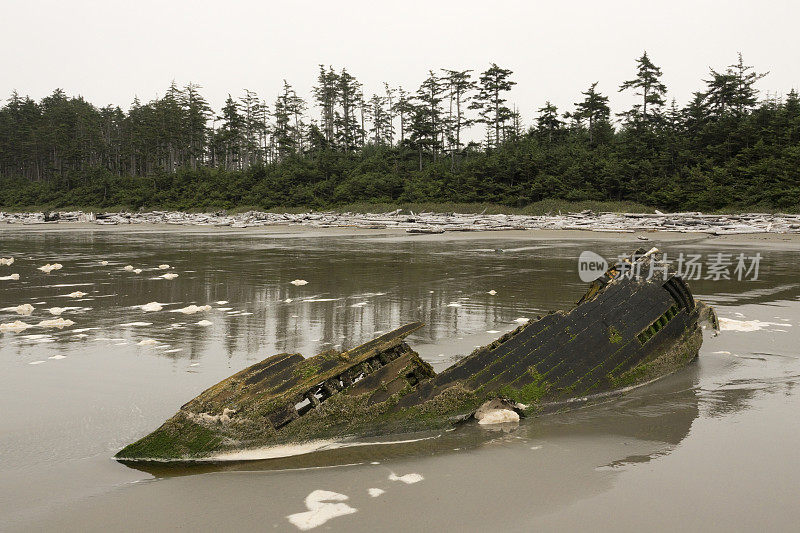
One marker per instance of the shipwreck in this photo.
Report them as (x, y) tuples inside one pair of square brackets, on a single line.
[(626, 330)]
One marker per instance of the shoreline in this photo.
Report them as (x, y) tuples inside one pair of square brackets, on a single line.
[(639, 225), (307, 231)]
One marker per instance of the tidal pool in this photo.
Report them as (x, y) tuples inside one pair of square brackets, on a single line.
[(712, 447)]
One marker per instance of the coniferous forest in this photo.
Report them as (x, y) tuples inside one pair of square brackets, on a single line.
[(456, 138)]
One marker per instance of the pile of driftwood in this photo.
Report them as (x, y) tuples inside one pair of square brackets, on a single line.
[(441, 222)]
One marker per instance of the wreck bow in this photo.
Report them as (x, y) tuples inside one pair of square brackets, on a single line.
[(625, 331)]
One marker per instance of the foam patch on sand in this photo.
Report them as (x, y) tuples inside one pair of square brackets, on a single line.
[(408, 479), (151, 307), (10, 277), (375, 492), (49, 268), (56, 323), (23, 309), (321, 509), (522, 320), (17, 325), (731, 324), (192, 309), (147, 342)]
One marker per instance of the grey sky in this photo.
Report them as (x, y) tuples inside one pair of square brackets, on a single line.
[(109, 51)]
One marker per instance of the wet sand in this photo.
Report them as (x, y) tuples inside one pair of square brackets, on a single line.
[(711, 447)]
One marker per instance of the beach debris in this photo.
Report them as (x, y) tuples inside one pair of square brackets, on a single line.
[(152, 306), (7, 261), (192, 309), (169, 275), (76, 294), (49, 268), (408, 479), (374, 492), (17, 325), (205, 323), (299, 282), (163, 267), (147, 342), (128, 268), (321, 509), (11, 277), (23, 309), (432, 222), (55, 323)]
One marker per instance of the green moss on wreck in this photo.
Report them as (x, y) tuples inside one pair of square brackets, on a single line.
[(177, 438), (666, 361), (614, 336)]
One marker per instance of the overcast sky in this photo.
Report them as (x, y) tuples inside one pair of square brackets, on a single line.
[(108, 51)]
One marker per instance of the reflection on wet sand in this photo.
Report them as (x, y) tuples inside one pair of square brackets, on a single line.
[(94, 387)]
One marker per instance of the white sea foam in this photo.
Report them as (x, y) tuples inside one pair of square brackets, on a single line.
[(375, 492), (135, 324), (299, 282), (7, 261), (22, 309), (17, 325), (169, 275), (147, 342), (10, 277), (152, 306), (407, 478), (205, 323), (76, 294), (49, 268), (57, 356), (221, 302), (128, 268), (56, 323), (731, 324), (36, 362), (522, 320), (492, 292), (321, 509), (163, 267), (192, 309)]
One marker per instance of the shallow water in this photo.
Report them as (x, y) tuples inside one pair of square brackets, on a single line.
[(712, 447)]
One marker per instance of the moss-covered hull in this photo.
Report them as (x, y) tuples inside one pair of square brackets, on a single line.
[(624, 332)]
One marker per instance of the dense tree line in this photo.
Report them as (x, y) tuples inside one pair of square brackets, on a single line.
[(726, 148)]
